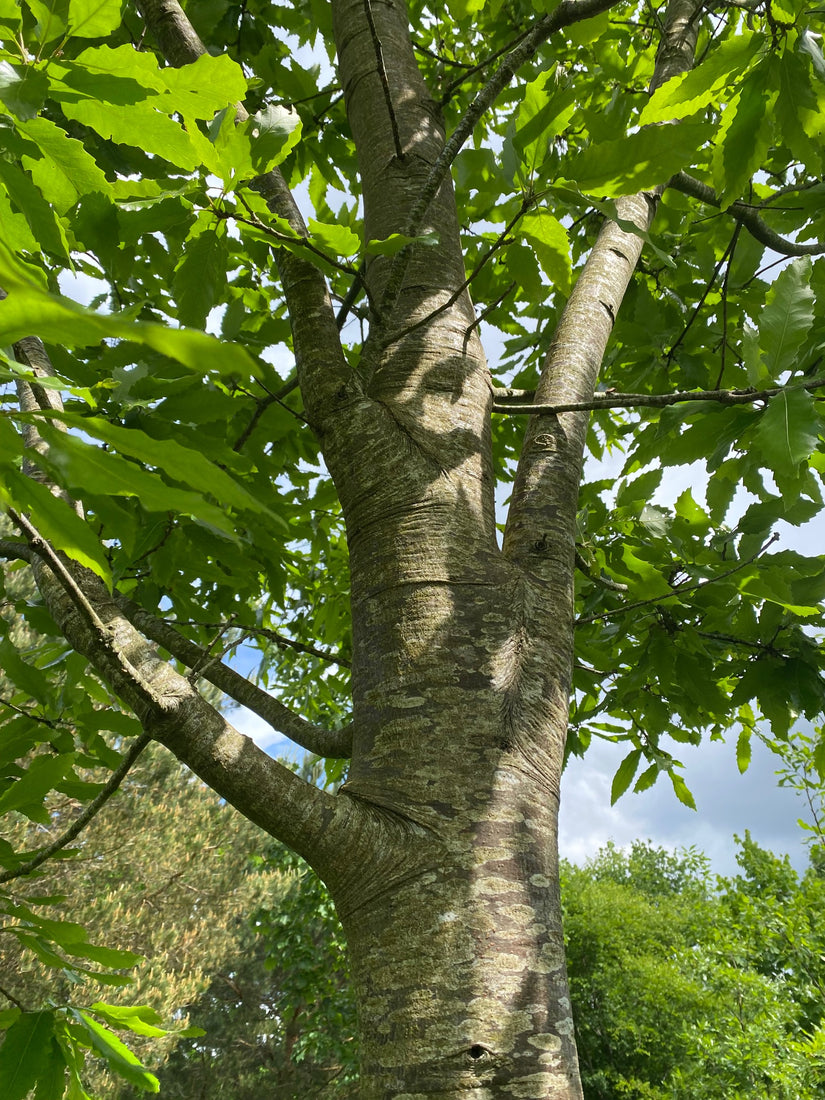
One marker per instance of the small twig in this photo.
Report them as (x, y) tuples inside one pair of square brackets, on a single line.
[(451, 301), (10, 997), (382, 73), (278, 639), (471, 71), (728, 252), (517, 402), (725, 280), (678, 589), (80, 823), (485, 313)]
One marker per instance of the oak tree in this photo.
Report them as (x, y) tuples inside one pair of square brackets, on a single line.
[(277, 427)]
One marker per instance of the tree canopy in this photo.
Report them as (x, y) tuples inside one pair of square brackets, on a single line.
[(275, 428)]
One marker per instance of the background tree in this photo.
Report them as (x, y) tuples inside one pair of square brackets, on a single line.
[(200, 495)]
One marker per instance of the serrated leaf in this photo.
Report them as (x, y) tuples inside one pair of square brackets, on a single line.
[(549, 239), (94, 18), (42, 775), (743, 749), (140, 1019), (65, 171), (647, 779), (90, 470), (641, 160), (544, 112), (57, 522), (22, 89), (26, 1047), (28, 308), (41, 217), (183, 464), (28, 678), (624, 776), (390, 246), (52, 18), (139, 125), (787, 318), (117, 1055), (680, 789), (688, 93), (788, 431), (200, 277), (51, 1077), (743, 137)]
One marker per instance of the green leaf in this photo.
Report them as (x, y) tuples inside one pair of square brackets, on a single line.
[(339, 239), (94, 18), (26, 1048), (40, 215), (118, 1057), (139, 125), (28, 678), (690, 92), (743, 137), (52, 18), (390, 246), (43, 774), (140, 1019), (65, 171), (22, 88), (787, 318), (91, 470), (181, 463), (743, 749), (57, 522), (200, 277), (545, 111), (681, 791), (28, 308), (788, 431), (641, 160), (624, 776), (51, 1077), (205, 86), (274, 132), (549, 239)]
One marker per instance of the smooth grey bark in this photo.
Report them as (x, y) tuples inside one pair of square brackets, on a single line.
[(441, 848)]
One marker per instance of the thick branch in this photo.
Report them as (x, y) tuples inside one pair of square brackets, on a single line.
[(309, 820), (83, 819), (747, 216), (520, 402), (321, 365), (331, 743), (568, 12), (541, 524)]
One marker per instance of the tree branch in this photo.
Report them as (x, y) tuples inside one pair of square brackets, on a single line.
[(80, 823), (568, 12), (679, 589), (330, 743), (322, 367), (518, 402), (746, 215)]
